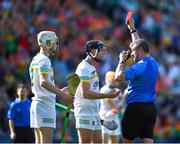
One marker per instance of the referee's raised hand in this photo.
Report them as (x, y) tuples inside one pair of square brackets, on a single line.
[(131, 25)]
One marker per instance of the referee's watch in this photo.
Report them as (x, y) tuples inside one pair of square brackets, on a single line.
[(133, 31), (121, 62)]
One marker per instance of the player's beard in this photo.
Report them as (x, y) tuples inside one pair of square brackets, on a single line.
[(98, 60), (53, 51)]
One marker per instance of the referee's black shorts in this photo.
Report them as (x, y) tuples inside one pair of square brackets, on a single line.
[(139, 120), (24, 135)]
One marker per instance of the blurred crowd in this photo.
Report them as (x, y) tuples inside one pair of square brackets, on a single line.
[(77, 21)]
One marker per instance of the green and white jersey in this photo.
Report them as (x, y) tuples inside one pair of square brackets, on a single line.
[(41, 65), (83, 106)]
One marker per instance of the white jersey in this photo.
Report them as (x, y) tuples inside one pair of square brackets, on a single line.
[(83, 106), (105, 106), (41, 65)]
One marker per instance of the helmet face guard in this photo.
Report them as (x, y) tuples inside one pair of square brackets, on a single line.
[(94, 44), (49, 40)]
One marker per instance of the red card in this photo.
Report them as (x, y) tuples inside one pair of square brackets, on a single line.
[(129, 16)]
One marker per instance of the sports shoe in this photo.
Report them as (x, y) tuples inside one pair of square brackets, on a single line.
[(111, 125)]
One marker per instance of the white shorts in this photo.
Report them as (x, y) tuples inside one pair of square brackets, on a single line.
[(112, 132), (42, 115), (88, 122)]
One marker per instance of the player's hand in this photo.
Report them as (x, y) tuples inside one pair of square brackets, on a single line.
[(13, 135), (68, 98), (66, 89), (114, 93), (114, 111), (131, 25), (123, 56)]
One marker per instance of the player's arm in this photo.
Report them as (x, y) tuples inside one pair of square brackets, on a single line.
[(45, 83), (123, 99), (84, 86), (110, 102)]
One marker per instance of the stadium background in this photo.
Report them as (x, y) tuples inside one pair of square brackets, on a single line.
[(75, 22)]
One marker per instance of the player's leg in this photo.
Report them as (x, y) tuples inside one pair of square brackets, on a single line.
[(96, 137), (46, 134), (37, 136), (84, 135), (104, 138), (33, 122), (97, 133), (114, 138), (85, 126), (45, 121)]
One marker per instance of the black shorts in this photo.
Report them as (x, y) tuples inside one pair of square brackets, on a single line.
[(24, 135), (139, 120)]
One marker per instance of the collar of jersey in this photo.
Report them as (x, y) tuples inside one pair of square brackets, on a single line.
[(89, 63)]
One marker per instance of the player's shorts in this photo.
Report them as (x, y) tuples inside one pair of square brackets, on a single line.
[(112, 132), (42, 115), (88, 122), (139, 120)]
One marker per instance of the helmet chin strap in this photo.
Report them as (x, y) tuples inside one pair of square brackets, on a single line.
[(94, 56), (52, 53), (49, 49)]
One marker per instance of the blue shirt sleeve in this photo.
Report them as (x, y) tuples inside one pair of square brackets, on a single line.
[(135, 70), (10, 114)]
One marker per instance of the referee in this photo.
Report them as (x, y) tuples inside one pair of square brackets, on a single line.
[(19, 117), (140, 115)]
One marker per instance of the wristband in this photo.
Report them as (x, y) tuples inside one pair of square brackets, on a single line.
[(133, 31)]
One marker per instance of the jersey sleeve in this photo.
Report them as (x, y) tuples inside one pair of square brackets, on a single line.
[(44, 66), (135, 70), (10, 113), (84, 74)]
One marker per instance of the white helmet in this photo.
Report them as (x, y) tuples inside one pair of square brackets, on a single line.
[(45, 37)]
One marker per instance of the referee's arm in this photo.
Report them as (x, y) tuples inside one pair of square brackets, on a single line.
[(134, 34), (119, 74)]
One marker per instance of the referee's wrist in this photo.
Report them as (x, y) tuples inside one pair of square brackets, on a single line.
[(121, 62), (133, 31)]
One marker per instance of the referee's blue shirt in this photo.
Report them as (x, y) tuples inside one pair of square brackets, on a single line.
[(19, 112), (142, 78)]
